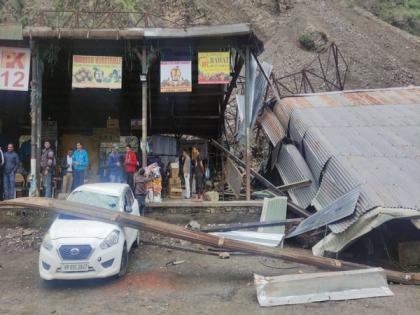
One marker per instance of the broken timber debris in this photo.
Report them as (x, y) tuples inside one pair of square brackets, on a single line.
[(293, 207), (147, 224), (240, 226), (321, 286)]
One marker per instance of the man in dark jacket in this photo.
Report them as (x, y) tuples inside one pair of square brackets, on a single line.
[(140, 189), (11, 164), (114, 166), (47, 168)]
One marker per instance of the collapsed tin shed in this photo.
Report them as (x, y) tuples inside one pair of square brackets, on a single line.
[(368, 139)]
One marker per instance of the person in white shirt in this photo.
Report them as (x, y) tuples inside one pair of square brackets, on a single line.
[(67, 172)]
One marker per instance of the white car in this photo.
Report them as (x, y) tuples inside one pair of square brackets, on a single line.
[(76, 248)]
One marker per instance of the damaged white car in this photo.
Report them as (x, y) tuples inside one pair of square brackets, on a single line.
[(76, 248)]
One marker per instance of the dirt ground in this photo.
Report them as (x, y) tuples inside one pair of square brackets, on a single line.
[(201, 285)]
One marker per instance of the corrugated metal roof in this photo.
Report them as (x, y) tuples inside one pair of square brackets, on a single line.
[(391, 96), (293, 168), (345, 140), (375, 147)]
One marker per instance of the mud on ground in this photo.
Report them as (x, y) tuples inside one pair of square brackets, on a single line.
[(202, 284)]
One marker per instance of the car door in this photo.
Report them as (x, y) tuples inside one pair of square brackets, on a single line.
[(130, 207)]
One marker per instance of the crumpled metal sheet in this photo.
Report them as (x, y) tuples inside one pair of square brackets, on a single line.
[(335, 243), (273, 209), (293, 168), (340, 208), (321, 286), (265, 239), (271, 127), (259, 91)]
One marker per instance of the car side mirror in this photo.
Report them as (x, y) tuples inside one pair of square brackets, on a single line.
[(128, 208)]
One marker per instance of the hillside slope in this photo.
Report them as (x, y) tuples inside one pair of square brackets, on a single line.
[(380, 55)]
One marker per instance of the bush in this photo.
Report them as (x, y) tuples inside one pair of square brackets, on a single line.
[(313, 39), (307, 42)]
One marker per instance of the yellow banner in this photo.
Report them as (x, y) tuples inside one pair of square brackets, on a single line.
[(102, 72), (213, 67)]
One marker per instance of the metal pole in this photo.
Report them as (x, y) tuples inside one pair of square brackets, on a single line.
[(144, 107), (36, 117), (247, 122)]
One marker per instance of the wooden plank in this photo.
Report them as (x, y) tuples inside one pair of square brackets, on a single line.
[(170, 230)]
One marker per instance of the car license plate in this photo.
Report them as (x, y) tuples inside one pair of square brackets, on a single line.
[(75, 267)]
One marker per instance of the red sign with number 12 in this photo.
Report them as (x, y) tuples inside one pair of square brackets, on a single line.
[(14, 68)]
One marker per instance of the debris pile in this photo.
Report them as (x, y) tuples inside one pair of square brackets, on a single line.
[(19, 238)]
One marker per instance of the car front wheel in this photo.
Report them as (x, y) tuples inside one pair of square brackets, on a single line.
[(124, 261)]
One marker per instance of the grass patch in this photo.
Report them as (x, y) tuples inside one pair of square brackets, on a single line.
[(404, 14)]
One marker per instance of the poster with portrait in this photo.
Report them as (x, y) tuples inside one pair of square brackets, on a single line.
[(175, 76)]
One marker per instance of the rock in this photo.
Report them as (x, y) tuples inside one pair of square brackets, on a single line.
[(224, 255), (193, 225), (28, 232), (211, 196)]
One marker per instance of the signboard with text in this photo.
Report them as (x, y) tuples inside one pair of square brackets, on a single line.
[(14, 68), (213, 67), (175, 76), (103, 72)]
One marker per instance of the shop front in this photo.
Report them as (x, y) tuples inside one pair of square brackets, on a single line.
[(158, 90)]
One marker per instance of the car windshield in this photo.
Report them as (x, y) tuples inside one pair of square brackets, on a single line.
[(95, 199), (92, 199)]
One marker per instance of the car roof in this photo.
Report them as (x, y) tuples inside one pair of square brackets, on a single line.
[(112, 189)]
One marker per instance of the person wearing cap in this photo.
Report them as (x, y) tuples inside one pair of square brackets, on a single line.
[(114, 165)]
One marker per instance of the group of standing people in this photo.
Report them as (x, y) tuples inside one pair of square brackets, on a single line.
[(118, 164), (193, 167)]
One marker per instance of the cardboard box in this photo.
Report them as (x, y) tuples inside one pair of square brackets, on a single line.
[(112, 123)]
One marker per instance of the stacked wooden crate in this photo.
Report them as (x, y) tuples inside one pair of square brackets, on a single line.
[(175, 189)]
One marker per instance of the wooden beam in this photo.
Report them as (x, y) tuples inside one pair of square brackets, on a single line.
[(170, 230), (293, 207)]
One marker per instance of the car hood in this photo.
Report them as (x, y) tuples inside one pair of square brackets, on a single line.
[(62, 228)]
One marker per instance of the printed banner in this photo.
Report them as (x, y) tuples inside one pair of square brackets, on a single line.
[(102, 72), (175, 76), (14, 68), (213, 67)]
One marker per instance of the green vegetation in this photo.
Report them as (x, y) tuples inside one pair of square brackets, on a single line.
[(404, 14), (312, 39)]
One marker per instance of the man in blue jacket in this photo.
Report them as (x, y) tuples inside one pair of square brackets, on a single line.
[(114, 166), (11, 164), (80, 163)]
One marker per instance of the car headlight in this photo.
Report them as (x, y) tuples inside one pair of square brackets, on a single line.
[(110, 240), (46, 242)]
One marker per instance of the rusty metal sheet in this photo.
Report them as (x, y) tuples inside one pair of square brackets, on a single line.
[(272, 127)]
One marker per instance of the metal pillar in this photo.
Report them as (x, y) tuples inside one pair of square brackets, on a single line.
[(144, 107), (36, 117), (247, 122)]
